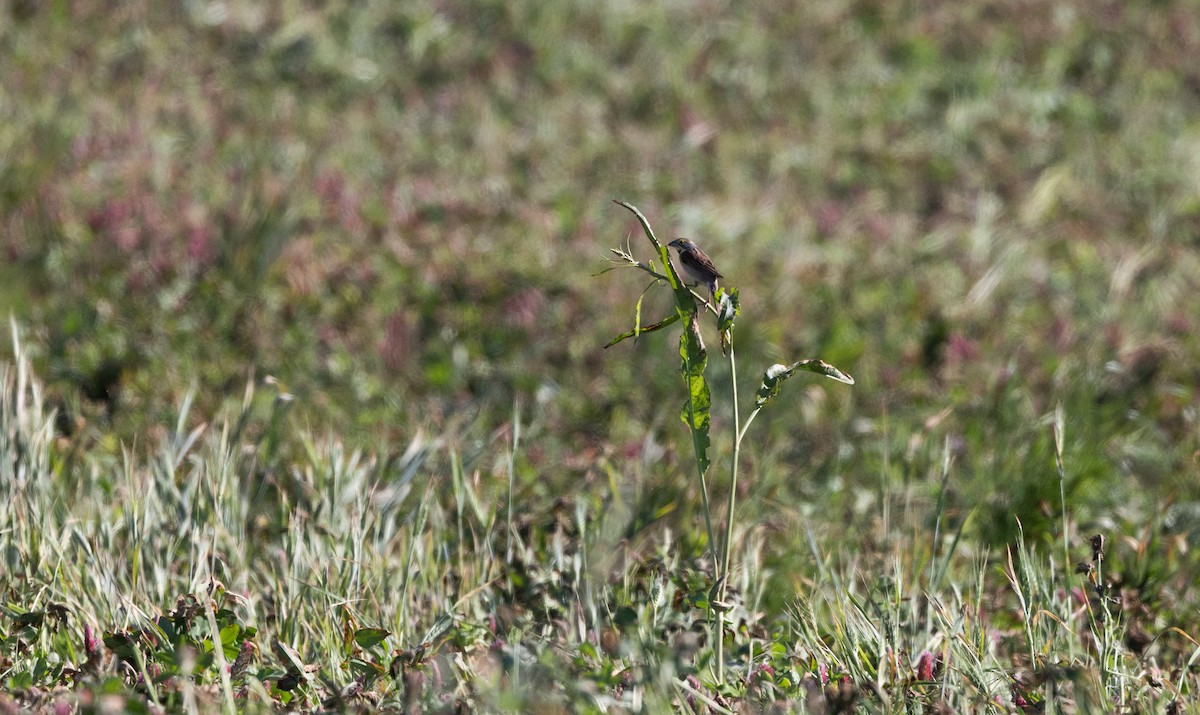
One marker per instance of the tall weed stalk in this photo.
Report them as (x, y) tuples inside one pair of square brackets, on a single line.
[(696, 411)]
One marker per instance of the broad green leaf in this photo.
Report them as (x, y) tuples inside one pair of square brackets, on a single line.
[(775, 375), (230, 633), (625, 617), (695, 413), (32, 619), (367, 637)]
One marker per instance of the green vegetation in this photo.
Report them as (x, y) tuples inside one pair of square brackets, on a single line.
[(307, 357)]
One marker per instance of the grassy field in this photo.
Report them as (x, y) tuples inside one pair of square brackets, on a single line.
[(306, 403)]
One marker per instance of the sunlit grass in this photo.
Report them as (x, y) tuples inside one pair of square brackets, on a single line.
[(404, 580)]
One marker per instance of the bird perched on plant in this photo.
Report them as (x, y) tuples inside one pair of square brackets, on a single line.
[(696, 263)]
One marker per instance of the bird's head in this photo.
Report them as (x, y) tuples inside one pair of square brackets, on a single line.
[(683, 244)]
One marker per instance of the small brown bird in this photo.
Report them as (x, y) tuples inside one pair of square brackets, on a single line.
[(696, 263)]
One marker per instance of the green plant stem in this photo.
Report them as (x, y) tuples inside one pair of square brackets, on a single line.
[(516, 441), (227, 702), (733, 471), (712, 542), (723, 574), (746, 427), (687, 309), (1057, 428), (737, 450)]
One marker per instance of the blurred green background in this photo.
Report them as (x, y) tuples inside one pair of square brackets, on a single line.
[(982, 210)]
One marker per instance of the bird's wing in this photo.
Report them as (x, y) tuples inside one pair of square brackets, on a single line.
[(698, 260)]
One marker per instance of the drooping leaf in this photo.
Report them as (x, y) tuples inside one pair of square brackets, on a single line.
[(367, 668), (729, 308), (775, 375), (670, 319), (823, 368), (439, 628), (289, 657), (637, 315)]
